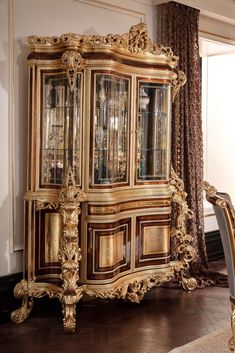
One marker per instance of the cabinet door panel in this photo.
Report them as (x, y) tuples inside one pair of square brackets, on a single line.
[(61, 128), (152, 240), (48, 229), (152, 131), (108, 251), (110, 129)]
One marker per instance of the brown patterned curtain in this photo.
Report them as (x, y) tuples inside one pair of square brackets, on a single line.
[(177, 27)]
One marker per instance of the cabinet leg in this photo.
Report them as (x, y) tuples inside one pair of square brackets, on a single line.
[(29, 290), (21, 290), (69, 303), (69, 313), (23, 312)]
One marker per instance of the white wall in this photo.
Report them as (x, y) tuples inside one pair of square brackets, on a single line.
[(18, 19), (219, 126)]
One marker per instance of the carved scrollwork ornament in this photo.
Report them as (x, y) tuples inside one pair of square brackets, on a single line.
[(209, 189), (134, 291), (177, 83), (182, 249), (138, 38), (43, 205), (72, 62)]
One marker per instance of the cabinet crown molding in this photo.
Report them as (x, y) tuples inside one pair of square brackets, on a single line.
[(136, 42)]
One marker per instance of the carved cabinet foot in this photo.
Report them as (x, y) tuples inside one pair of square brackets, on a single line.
[(21, 290), (69, 313), (69, 303), (188, 283), (23, 312)]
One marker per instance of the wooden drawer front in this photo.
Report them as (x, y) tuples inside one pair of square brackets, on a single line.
[(127, 206), (152, 240), (108, 249)]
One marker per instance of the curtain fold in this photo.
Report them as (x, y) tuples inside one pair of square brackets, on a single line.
[(177, 27)]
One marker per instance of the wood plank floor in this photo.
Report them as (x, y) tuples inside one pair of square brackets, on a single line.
[(166, 318)]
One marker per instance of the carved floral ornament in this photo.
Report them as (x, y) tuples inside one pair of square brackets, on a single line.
[(136, 42), (73, 62)]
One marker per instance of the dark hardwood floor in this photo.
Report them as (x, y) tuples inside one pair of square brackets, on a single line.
[(166, 318)]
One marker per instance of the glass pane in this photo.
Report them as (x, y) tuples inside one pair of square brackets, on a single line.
[(60, 128), (111, 129), (153, 109)]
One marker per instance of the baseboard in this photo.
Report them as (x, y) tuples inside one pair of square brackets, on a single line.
[(214, 245), (8, 302)]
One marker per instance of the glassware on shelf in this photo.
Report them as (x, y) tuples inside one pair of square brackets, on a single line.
[(143, 100)]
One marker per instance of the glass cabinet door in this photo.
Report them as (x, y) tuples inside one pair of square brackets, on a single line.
[(61, 130), (110, 129), (152, 131)]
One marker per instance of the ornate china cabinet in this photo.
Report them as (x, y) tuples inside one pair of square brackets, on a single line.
[(99, 185)]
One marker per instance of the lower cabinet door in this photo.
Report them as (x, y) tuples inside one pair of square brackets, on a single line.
[(108, 249), (152, 240)]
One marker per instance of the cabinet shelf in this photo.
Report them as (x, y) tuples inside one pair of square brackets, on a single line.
[(58, 107), (61, 149), (151, 149), (108, 150), (153, 113)]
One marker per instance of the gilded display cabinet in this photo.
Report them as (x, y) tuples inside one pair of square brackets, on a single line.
[(99, 185)]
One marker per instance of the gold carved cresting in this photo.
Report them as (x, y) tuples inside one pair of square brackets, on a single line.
[(136, 41), (73, 62), (69, 255), (182, 249)]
